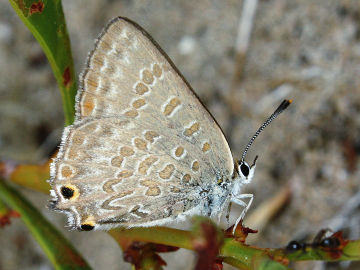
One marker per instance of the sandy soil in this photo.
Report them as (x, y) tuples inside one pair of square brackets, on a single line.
[(305, 50)]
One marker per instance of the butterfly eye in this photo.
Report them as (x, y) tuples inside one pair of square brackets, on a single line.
[(67, 192), (245, 169)]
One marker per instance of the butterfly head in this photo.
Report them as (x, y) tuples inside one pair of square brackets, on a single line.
[(246, 171)]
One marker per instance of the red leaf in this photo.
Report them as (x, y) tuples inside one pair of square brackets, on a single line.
[(241, 232)]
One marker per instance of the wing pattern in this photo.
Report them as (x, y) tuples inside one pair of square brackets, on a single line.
[(143, 147)]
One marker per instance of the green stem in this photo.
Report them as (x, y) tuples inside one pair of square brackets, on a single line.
[(45, 20)]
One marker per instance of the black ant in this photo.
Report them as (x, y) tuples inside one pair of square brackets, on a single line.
[(331, 243)]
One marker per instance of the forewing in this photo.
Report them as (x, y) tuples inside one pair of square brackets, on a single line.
[(142, 146)]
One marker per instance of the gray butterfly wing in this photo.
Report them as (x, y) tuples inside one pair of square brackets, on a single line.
[(143, 147)]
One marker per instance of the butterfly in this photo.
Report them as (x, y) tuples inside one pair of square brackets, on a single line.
[(143, 150)]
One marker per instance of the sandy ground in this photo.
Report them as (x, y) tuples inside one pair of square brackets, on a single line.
[(305, 50)]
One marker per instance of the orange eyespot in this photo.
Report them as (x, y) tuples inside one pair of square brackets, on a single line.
[(67, 192), (87, 227), (88, 224)]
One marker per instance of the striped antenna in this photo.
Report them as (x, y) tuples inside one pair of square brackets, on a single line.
[(280, 109)]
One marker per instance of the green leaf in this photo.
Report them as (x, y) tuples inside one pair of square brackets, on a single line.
[(31, 176), (45, 19), (58, 249)]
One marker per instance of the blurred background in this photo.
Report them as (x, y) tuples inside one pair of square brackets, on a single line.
[(242, 59)]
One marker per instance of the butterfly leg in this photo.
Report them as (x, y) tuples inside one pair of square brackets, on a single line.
[(228, 214), (239, 200)]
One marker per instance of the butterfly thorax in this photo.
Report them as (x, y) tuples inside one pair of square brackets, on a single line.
[(216, 195)]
